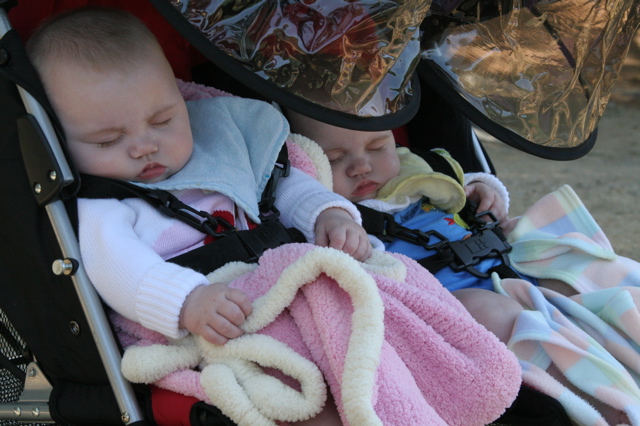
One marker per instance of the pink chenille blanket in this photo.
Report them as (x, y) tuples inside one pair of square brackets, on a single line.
[(393, 346), (384, 337)]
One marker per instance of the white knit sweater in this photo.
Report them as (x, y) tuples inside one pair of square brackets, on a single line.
[(124, 245)]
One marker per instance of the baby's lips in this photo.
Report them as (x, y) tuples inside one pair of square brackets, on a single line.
[(152, 171)]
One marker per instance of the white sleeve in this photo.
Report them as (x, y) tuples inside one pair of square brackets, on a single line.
[(301, 198), (130, 277), (376, 243), (492, 181)]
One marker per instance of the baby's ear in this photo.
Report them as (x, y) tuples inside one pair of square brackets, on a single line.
[(307, 156)]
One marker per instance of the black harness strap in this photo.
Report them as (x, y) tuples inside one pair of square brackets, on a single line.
[(280, 169), (504, 271), (164, 201), (245, 246), (437, 261), (229, 244), (486, 240)]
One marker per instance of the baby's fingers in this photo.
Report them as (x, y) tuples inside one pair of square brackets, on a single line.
[(219, 330), (322, 239), (241, 300), (231, 313), (355, 243), (338, 240), (486, 203), (469, 191), (363, 250)]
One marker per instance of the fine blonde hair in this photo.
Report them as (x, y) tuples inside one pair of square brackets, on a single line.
[(96, 38)]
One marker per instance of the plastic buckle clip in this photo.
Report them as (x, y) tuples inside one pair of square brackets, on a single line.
[(480, 224), (170, 206), (210, 224), (165, 202), (266, 236), (266, 206), (472, 250), (392, 230)]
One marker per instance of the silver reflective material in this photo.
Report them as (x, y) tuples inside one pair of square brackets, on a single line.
[(542, 69), (355, 57)]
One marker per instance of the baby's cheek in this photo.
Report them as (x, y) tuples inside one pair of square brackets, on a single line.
[(340, 184), (342, 189)]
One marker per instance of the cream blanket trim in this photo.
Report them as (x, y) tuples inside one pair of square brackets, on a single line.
[(231, 374), (317, 157)]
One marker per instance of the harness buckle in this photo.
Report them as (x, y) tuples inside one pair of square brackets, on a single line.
[(267, 235), (475, 221), (165, 202), (266, 205), (170, 206), (391, 230), (486, 243), (210, 224)]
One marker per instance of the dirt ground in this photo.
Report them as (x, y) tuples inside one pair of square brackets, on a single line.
[(607, 179)]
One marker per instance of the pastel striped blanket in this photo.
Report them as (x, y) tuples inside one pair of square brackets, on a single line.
[(557, 238), (593, 338)]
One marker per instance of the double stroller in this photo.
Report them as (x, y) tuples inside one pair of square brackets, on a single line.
[(428, 69)]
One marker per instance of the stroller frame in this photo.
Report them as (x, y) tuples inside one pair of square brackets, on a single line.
[(33, 403)]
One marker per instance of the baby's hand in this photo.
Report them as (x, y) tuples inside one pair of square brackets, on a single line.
[(215, 312), (487, 198), (336, 228)]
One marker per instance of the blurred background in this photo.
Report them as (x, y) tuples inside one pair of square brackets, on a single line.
[(607, 179)]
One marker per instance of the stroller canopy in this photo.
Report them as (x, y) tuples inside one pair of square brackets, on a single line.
[(536, 74), (350, 61)]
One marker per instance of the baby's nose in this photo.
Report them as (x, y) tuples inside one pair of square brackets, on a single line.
[(143, 146), (360, 166)]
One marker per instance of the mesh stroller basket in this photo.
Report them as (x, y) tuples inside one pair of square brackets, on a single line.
[(59, 360), (14, 372)]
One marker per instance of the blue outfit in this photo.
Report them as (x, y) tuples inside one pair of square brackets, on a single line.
[(421, 215), (421, 198)]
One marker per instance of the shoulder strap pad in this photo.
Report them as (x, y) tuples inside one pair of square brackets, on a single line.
[(439, 163)]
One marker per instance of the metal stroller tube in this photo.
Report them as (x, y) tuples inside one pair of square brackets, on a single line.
[(71, 265), (105, 341)]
